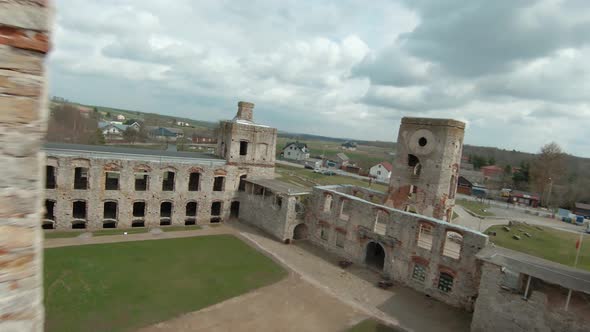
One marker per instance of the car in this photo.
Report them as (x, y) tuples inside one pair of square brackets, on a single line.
[(318, 170), (308, 166), (328, 172)]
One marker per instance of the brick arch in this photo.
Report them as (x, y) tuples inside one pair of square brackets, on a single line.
[(80, 162), (169, 168), (220, 172), (195, 169), (112, 167), (142, 168)]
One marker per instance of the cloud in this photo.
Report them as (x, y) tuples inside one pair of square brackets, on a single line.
[(514, 70)]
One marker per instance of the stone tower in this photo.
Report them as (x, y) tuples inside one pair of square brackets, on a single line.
[(243, 142), (426, 167)]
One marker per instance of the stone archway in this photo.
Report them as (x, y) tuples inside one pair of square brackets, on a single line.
[(300, 232), (375, 255)]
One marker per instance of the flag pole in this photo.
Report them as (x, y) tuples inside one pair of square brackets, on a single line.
[(578, 247)]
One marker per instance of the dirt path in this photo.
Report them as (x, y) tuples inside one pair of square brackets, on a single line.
[(289, 305)]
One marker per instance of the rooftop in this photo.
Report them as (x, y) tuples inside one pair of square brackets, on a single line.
[(115, 152), (543, 269), (583, 206), (434, 122), (279, 187)]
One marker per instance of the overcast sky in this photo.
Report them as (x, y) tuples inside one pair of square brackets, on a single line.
[(517, 71)]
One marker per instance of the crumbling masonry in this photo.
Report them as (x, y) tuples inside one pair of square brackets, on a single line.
[(24, 42)]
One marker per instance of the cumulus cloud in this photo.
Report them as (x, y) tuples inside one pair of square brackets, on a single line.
[(515, 71)]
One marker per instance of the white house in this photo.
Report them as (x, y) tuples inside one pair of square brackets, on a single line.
[(296, 151), (112, 130), (121, 117), (381, 172)]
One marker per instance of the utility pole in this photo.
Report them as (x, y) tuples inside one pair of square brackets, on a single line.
[(549, 195)]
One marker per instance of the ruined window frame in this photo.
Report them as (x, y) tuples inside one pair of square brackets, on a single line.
[(50, 184), (343, 215), (104, 203), (144, 209), (428, 230), (85, 209), (191, 181), (451, 252), (328, 202), (84, 174), (146, 178), (166, 179), (186, 209), (446, 282), (216, 187), (106, 180), (419, 272), (243, 151), (340, 240)]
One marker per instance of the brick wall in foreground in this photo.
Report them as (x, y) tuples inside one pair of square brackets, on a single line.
[(24, 43)]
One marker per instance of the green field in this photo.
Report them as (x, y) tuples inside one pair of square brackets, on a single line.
[(141, 146), (365, 156), (475, 207), (372, 325), (549, 243), (105, 232), (307, 178), (181, 228), (124, 286)]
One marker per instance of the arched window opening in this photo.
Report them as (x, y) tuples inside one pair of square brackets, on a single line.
[(453, 244)]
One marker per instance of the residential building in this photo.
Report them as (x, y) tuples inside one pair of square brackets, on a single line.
[(342, 160), (524, 198), (121, 117), (350, 146), (492, 172), (296, 151), (112, 131), (464, 186), (382, 171), (165, 133), (582, 209)]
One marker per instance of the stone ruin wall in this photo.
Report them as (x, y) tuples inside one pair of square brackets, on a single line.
[(24, 43), (399, 238), (64, 194), (429, 191)]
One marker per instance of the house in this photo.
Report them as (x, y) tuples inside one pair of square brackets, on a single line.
[(203, 138), (582, 209), (492, 172), (342, 160), (350, 146), (464, 186), (313, 162), (121, 117), (165, 133), (381, 171), (112, 130), (524, 198), (296, 151)]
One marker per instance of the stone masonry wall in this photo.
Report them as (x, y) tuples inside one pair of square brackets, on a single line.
[(263, 212), (498, 309), (397, 233), (437, 146), (64, 194), (24, 42)]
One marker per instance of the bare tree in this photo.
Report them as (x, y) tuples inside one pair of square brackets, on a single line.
[(548, 169), (67, 124)]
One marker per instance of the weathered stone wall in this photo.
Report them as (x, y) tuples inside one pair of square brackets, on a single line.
[(397, 233), (263, 212), (428, 189), (499, 309), (24, 27), (64, 194)]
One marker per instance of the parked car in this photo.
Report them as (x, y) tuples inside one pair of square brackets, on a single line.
[(308, 166), (328, 172), (318, 170)]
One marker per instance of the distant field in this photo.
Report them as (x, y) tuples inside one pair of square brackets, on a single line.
[(365, 156), (141, 146), (548, 243), (124, 286), (307, 178), (475, 207)]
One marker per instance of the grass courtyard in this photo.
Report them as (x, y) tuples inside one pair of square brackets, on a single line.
[(372, 325), (127, 285), (475, 207), (548, 243)]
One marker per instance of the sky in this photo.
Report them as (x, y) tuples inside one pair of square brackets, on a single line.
[(516, 71)]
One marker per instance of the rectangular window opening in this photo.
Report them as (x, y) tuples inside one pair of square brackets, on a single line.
[(139, 209), (141, 182), (193, 181), (79, 210), (111, 181), (218, 183), (168, 181), (243, 148), (50, 177), (81, 178)]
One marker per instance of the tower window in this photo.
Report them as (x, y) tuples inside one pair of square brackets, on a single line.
[(422, 141), (243, 148)]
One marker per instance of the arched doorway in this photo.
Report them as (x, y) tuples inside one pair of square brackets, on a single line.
[(300, 232), (375, 256)]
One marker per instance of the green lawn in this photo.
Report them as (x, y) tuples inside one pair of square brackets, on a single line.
[(127, 285), (115, 231), (549, 243), (60, 234), (181, 228), (307, 178), (475, 207), (372, 325)]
